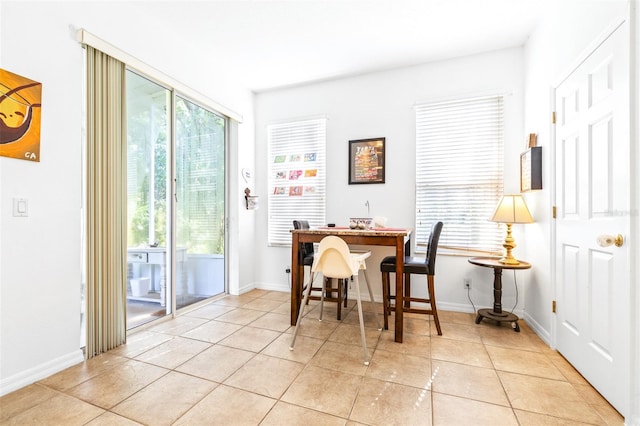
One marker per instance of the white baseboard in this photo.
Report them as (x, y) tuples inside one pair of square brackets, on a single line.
[(264, 286), (273, 287), (246, 288), (455, 307), (40, 372), (544, 335)]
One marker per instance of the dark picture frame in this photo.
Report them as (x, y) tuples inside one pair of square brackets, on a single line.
[(531, 169), (367, 161)]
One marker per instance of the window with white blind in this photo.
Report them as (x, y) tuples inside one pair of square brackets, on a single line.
[(459, 172), (297, 177)]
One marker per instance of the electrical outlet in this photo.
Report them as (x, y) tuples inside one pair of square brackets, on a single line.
[(467, 283)]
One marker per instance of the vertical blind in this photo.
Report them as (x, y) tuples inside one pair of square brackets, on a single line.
[(106, 183), (459, 171), (297, 176)]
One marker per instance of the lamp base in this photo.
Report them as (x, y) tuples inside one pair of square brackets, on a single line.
[(509, 244)]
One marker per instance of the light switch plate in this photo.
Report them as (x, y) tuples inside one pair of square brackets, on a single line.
[(20, 207)]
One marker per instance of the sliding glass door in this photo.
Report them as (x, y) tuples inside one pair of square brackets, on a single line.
[(200, 160), (148, 136), (185, 147)]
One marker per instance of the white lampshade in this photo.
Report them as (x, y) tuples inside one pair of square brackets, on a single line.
[(512, 209)]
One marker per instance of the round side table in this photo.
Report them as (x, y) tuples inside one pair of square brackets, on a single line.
[(496, 313)]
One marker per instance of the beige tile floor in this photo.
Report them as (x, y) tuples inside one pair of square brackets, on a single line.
[(229, 363)]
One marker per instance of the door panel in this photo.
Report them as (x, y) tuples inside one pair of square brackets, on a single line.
[(199, 202), (569, 200), (570, 286), (601, 298), (593, 199), (148, 127)]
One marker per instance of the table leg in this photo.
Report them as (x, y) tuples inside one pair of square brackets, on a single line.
[(497, 290), (496, 313), (296, 278)]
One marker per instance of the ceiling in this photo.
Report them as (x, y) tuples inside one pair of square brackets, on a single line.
[(270, 44)]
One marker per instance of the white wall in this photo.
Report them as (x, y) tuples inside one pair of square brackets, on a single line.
[(381, 105), (563, 37), (40, 263), (635, 269), (568, 33)]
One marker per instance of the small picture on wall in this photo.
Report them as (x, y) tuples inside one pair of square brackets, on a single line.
[(20, 107), (295, 174), (366, 161)]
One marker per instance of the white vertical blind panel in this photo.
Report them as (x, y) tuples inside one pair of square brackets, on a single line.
[(459, 171), (297, 177)]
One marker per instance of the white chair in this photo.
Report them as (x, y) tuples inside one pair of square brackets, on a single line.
[(335, 260), (306, 259)]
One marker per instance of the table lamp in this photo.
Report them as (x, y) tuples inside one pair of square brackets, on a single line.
[(511, 209)]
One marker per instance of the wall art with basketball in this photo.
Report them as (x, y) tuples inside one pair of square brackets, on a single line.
[(20, 108)]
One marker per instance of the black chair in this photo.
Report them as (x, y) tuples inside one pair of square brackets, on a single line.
[(306, 249), (306, 256), (413, 265)]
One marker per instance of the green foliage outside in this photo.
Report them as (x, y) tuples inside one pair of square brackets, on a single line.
[(199, 152)]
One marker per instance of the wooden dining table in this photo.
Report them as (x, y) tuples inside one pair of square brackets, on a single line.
[(400, 238)]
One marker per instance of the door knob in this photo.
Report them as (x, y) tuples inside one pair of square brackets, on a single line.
[(607, 240)]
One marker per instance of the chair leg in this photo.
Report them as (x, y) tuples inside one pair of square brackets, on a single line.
[(327, 292), (304, 287), (385, 299), (324, 288), (432, 300), (339, 296), (375, 313), (310, 280), (407, 291), (362, 335), (346, 292), (300, 312)]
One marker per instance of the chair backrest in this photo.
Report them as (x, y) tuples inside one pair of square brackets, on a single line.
[(334, 259), (432, 247), (306, 248)]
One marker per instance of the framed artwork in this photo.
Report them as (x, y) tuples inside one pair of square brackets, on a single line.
[(531, 169), (366, 161), (20, 105)]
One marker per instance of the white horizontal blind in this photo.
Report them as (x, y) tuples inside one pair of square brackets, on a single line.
[(459, 171), (297, 177)]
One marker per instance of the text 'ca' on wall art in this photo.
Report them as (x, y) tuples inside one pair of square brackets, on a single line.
[(20, 108), (366, 161)]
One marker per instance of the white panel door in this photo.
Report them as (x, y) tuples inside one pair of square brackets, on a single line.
[(593, 289)]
